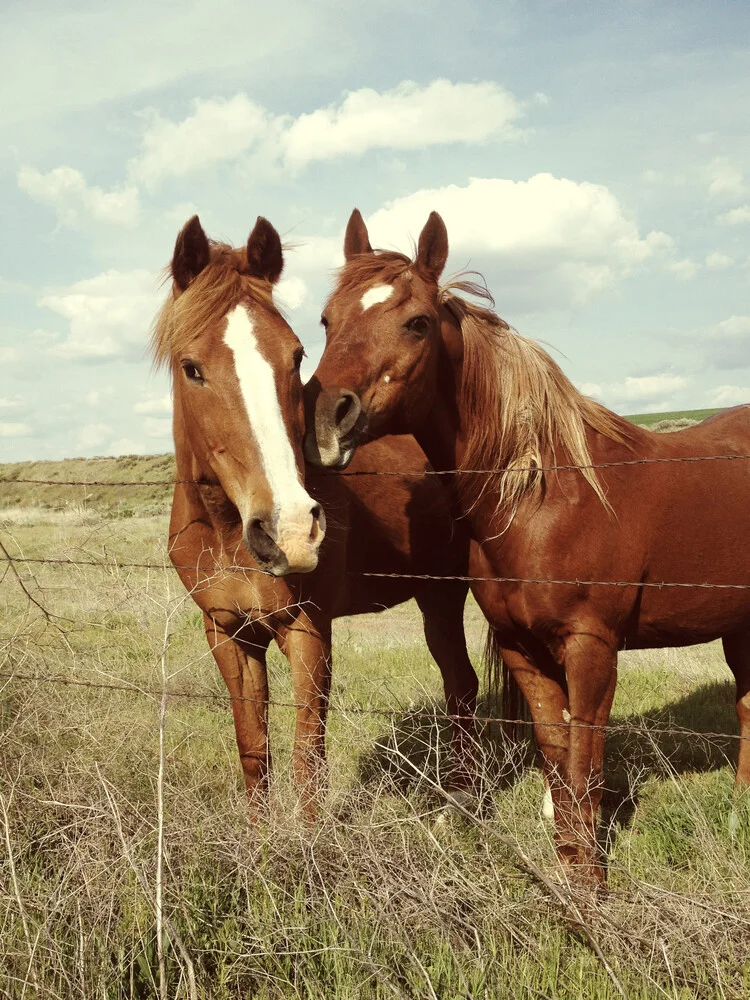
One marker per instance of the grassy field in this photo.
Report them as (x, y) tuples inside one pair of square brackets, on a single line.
[(649, 419), (384, 897)]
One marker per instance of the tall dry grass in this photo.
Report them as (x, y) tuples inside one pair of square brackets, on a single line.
[(123, 815)]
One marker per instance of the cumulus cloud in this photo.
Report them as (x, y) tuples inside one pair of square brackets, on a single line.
[(724, 178), (291, 292), (216, 130), (730, 395), (158, 427), (552, 242), (109, 316), (14, 430), (93, 436), (727, 344), (155, 406), (11, 402), (717, 261), (652, 392), (74, 201), (95, 397), (126, 446), (684, 269), (735, 217), (407, 117)]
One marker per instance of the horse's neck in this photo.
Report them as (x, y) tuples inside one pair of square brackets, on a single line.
[(441, 435)]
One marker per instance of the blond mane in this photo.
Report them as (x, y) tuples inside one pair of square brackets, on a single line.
[(541, 418), (522, 412), (221, 285)]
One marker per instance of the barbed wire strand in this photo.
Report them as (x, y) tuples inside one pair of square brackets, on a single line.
[(358, 710), (114, 564), (383, 472)]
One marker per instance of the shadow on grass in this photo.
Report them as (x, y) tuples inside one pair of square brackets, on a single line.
[(414, 753)]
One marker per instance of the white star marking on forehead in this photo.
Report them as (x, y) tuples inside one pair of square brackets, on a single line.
[(376, 294)]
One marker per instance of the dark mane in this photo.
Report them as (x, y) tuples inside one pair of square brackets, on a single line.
[(220, 286)]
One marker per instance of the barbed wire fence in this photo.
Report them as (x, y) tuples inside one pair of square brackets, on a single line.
[(14, 564), (13, 561)]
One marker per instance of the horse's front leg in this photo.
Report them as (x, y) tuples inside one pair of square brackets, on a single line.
[(307, 645), (243, 667)]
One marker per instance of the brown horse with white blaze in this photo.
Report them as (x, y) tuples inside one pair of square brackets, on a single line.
[(249, 538), (554, 487)]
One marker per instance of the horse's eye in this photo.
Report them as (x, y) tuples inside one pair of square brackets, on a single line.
[(299, 354), (324, 322), (418, 324), (193, 372)]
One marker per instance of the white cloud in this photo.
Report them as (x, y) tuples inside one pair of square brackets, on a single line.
[(684, 270), (291, 292), (735, 217), (74, 201), (313, 253), (158, 427), (94, 397), (728, 343), (407, 117), (109, 316), (8, 354), (717, 261), (11, 403), (730, 395), (163, 404), (553, 242), (8, 430), (724, 178), (654, 392), (126, 446), (93, 436), (217, 130)]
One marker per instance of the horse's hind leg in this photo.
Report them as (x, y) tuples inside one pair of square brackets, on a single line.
[(737, 654), (442, 607)]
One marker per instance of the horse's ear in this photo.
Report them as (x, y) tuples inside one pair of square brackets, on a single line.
[(191, 253), (356, 240), (265, 259), (432, 249)]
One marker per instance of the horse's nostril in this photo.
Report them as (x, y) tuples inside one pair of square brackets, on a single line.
[(343, 407), (316, 512), (346, 411), (260, 542)]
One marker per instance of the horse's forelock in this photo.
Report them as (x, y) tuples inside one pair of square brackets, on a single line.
[(221, 286)]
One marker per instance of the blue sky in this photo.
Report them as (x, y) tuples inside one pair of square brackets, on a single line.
[(591, 159)]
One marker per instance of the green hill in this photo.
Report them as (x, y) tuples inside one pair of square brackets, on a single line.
[(649, 419), (121, 501), (124, 501)]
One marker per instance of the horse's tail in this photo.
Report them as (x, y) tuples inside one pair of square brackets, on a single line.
[(503, 691)]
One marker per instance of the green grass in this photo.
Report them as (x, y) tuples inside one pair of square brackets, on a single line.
[(381, 898), (648, 419)]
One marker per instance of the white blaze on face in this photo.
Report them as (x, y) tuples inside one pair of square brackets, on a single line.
[(376, 294), (258, 388)]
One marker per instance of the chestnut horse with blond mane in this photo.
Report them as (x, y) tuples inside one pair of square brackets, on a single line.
[(248, 537), (556, 489)]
